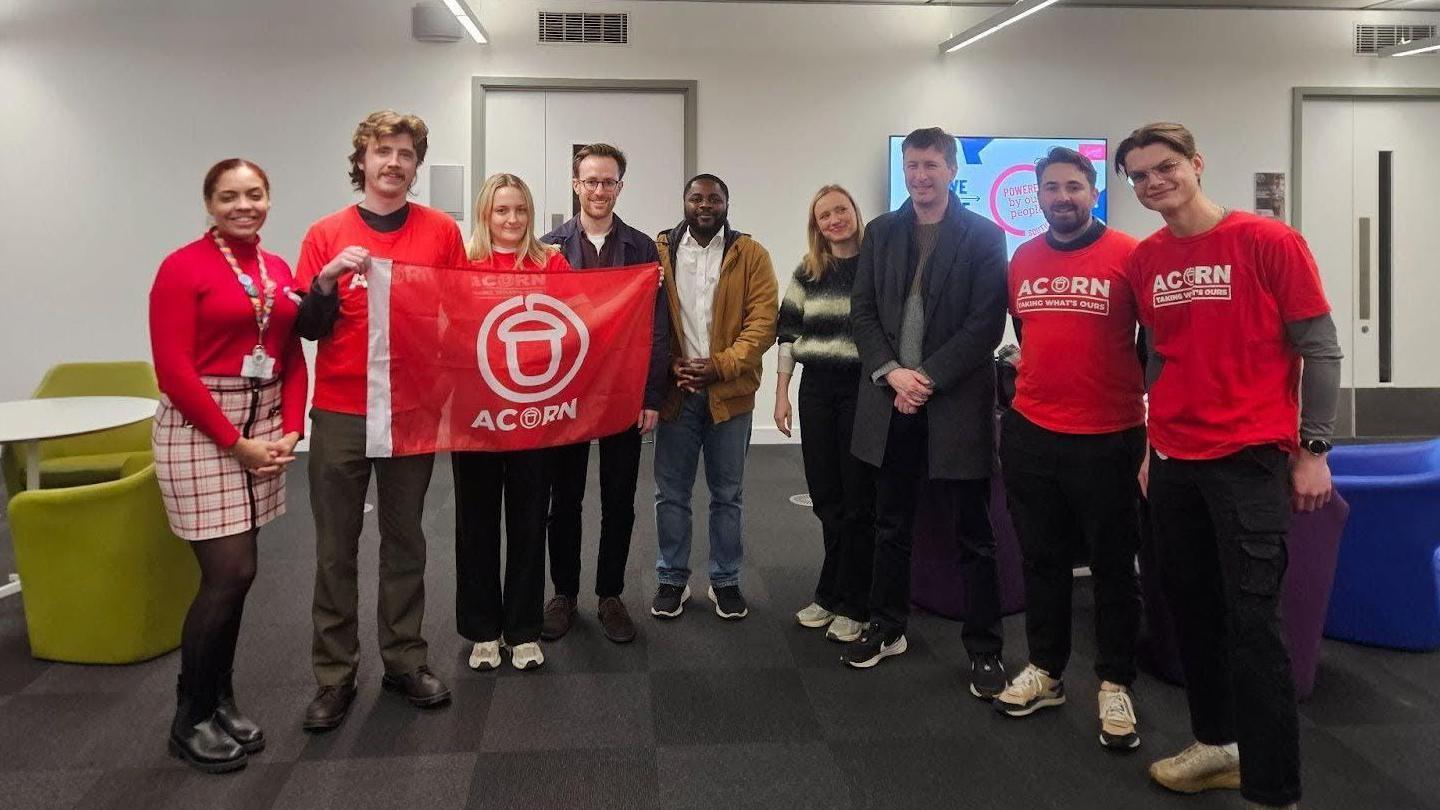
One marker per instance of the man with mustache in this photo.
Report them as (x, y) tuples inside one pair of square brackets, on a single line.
[(1238, 433), (388, 150), (723, 302), (928, 310), (1072, 441)]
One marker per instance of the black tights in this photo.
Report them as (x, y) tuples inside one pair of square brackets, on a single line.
[(207, 642)]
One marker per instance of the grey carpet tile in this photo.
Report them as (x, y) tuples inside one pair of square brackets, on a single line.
[(251, 788), (569, 711), (45, 789), (592, 778), (434, 782), (795, 776), (731, 706)]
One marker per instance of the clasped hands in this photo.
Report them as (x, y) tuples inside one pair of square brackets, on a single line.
[(694, 374), (265, 458), (912, 389)]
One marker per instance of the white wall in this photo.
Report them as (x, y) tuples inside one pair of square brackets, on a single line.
[(114, 110)]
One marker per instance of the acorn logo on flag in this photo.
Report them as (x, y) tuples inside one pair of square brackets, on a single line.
[(518, 328)]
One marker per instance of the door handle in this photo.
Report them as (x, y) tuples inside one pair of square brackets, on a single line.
[(1363, 299)]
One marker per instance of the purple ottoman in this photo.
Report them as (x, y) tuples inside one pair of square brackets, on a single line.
[(1313, 546), (935, 583)]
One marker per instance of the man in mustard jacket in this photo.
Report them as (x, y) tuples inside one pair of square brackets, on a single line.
[(723, 300)]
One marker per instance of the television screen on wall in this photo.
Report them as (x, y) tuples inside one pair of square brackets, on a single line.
[(997, 179)]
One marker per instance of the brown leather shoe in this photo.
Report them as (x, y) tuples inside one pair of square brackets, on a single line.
[(615, 619), (559, 615), (328, 709), (420, 687)]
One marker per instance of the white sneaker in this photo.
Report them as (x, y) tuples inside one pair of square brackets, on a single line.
[(485, 655), (844, 629), (1117, 720), (814, 616), (527, 656), (1033, 689), (1199, 767)]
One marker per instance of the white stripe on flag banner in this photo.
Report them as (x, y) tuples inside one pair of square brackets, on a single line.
[(377, 379)]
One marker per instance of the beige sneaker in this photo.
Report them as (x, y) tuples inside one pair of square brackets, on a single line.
[(844, 629), (1117, 719), (1032, 689), (1198, 768), (812, 615)]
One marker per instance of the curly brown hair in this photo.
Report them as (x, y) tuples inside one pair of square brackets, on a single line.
[(380, 124)]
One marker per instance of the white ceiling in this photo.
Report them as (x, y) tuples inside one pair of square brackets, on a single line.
[(1352, 5)]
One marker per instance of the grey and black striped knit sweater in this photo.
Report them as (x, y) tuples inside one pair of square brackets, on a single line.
[(814, 323)]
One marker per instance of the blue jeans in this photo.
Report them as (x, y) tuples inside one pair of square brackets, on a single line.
[(678, 447)]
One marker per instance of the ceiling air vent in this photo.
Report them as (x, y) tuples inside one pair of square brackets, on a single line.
[(575, 28), (1369, 39)]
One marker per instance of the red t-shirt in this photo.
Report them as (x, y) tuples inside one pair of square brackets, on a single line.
[(1216, 306), (1078, 369), (202, 322), (428, 237), (505, 262)]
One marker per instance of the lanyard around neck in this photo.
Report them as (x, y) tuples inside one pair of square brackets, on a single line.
[(262, 297)]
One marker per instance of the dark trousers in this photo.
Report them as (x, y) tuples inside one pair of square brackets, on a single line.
[(1220, 529), (483, 611), (339, 477), (842, 490), (619, 470), (1063, 490), (902, 477)]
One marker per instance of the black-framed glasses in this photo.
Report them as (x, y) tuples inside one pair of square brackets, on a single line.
[(595, 185)]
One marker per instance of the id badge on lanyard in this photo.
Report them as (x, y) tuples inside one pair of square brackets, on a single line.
[(258, 364)]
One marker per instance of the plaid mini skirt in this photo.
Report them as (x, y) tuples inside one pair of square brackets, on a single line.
[(207, 493)]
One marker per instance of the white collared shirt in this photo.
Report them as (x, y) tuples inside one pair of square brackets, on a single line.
[(697, 270)]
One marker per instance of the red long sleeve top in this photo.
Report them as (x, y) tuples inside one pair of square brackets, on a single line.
[(203, 323)]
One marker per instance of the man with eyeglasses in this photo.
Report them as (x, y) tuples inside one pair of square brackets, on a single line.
[(594, 239), (1238, 431), (1071, 444)]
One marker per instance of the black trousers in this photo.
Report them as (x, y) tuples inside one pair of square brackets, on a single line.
[(619, 470), (1065, 490), (1220, 529), (842, 490), (483, 611), (902, 477)]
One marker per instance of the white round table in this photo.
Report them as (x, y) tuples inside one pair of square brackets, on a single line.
[(27, 422)]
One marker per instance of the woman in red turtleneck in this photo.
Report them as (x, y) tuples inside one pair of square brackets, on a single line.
[(234, 384)]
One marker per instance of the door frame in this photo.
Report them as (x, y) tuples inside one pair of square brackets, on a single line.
[(1389, 411), (480, 85)]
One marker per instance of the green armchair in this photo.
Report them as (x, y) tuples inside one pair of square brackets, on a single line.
[(94, 457), (106, 582)]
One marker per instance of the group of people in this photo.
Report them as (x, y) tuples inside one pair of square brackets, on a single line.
[(896, 323)]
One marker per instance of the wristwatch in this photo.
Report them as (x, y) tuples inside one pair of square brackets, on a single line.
[(1316, 447)]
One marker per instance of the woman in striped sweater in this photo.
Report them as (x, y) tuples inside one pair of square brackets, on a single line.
[(814, 330)]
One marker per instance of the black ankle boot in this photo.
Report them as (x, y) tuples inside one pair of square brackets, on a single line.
[(195, 736), (241, 728)]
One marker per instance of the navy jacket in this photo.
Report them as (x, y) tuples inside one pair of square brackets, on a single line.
[(637, 249)]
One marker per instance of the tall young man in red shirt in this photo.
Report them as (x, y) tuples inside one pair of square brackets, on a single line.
[(1072, 441), (389, 148), (1233, 304)]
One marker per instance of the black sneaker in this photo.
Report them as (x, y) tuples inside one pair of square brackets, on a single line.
[(669, 601), (987, 676), (729, 604), (873, 646)]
